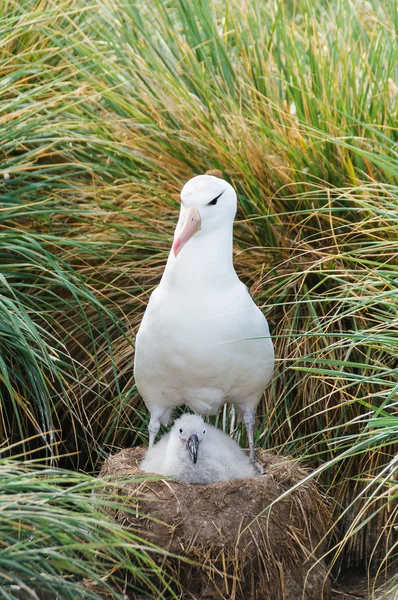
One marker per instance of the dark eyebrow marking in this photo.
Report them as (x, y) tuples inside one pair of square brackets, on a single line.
[(214, 201)]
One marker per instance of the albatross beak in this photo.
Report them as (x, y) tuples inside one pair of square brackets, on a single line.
[(190, 227), (193, 447)]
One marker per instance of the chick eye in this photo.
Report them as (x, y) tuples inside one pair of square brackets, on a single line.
[(214, 201), (180, 430), (204, 431)]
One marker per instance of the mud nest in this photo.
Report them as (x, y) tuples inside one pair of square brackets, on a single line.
[(227, 551)]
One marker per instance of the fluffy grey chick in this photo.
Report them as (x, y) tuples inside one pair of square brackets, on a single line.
[(195, 452)]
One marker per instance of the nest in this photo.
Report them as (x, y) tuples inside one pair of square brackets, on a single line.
[(228, 551)]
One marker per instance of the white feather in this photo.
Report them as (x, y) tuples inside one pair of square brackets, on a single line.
[(219, 457), (202, 341)]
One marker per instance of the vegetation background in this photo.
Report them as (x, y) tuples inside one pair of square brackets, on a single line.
[(106, 108)]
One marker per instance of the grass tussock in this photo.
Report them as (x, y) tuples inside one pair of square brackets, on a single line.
[(106, 108), (59, 542)]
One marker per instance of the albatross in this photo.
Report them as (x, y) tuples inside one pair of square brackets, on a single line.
[(202, 341), (195, 452)]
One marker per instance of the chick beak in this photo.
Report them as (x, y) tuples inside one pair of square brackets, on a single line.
[(193, 447), (191, 226)]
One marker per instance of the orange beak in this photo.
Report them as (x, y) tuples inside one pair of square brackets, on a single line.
[(190, 227)]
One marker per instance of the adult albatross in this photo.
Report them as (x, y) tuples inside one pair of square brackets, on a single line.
[(202, 341)]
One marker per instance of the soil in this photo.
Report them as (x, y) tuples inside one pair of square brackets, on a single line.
[(357, 586)]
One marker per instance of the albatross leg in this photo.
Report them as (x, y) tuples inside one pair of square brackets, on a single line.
[(153, 429), (248, 419), (158, 416)]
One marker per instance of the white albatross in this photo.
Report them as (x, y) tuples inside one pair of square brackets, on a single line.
[(202, 341), (195, 452)]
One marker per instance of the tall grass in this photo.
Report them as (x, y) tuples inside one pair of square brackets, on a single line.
[(106, 108), (58, 542)]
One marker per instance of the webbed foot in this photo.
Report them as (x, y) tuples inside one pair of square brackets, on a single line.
[(257, 467)]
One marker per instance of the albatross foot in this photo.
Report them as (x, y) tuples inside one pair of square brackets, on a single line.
[(257, 467)]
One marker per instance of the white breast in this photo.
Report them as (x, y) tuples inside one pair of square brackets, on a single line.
[(203, 349)]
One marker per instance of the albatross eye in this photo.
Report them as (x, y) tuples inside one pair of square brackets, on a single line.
[(214, 201), (204, 431), (180, 430)]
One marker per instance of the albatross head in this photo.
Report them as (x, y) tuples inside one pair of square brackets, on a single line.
[(207, 203), (190, 431)]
